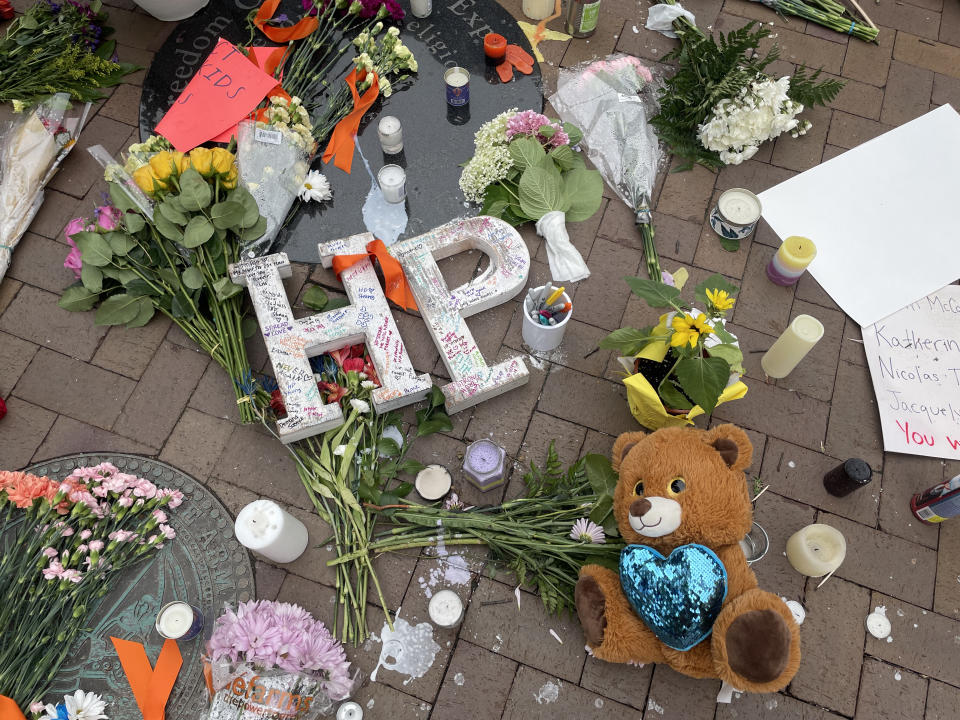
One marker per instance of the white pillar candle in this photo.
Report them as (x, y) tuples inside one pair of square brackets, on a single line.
[(421, 8), (175, 621), (267, 529), (816, 550), (433, 482), (739, 206), (393, 182), (791, 347), (538, 9), (391, 135), (446, 609)]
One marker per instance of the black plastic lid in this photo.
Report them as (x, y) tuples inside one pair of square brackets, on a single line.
[(858, 471)]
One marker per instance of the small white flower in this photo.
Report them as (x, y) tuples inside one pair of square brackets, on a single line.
[(362, 375), (315, 187), (339, 450), (368, 384), (587, 531), (361, 406), (85, 706)]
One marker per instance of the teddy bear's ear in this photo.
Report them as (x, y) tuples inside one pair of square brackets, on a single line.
[(733, 445), (623, 445)]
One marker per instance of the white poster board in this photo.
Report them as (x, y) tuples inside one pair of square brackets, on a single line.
[(883, 216), (914, 358)]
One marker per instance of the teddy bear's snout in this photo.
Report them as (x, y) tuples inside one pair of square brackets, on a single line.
[(655, 516)]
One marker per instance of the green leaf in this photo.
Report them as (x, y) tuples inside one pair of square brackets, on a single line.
[(117, 310), (195, 192), (94, 248), (92, 278), (410, 466), (548, 131), (602, 509), (315, 298), (120, 199), (120, 242), (627, 341), (403, 489), (655, 293), (584, 192), (437, 398), (145, 311), (714, 282), (438, 422), (77, 299), (730, 244), (251, 213), (169, 210), (672, 397), (133, 222), (600, 473), (703, 379), (252, 233), (197, 232), (166, 228), (526, 152), (573, 132), (731, 353), (226, 289), (388, 447), (539, 192), (724, 336), (192, 278), (496, 199), (138, 287), (337, 303), (564, 157), (249, 327), (226, 215), (180, 307)]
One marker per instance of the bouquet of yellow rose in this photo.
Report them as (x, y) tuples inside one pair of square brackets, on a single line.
[(688, 363), (182, 221)]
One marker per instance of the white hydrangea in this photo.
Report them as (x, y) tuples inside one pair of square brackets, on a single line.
[(491, 159), (737, 127)]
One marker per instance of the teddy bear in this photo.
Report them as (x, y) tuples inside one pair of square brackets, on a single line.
[(685, 595)]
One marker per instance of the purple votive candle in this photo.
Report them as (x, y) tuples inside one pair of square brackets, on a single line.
[(484, 464)]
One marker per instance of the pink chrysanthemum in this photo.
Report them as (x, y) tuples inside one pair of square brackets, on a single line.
[(587, 531)]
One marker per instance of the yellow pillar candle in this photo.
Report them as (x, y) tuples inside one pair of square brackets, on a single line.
[(791, 347), (791, 260), (816, 550)]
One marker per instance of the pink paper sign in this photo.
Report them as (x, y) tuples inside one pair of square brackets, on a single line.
[(226, 88), (261, 56)]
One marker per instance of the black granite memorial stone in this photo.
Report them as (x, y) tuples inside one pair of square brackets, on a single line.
[(437, 138)]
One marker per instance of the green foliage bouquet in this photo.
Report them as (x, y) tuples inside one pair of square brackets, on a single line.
[(688, 358)]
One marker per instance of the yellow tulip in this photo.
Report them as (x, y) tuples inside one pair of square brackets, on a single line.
[(143, 177), (202, 160), (222, 160), (163, 164)]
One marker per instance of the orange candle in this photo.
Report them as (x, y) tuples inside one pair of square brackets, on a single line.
[(495, 46)]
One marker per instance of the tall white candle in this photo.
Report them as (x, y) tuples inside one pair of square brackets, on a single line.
[(816, 550), (791, 347), (445, 608), (267, 529), (538, 9)]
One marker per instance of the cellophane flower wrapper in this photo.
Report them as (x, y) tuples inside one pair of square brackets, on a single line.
[(31, 149), (114, 171), (611, 100), (245, 691), (273, 165)]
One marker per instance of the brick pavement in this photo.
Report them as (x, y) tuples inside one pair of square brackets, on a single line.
[(73, 387)]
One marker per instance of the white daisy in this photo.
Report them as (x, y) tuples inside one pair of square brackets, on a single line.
[(587, 531), (315, 187), (85, 706)]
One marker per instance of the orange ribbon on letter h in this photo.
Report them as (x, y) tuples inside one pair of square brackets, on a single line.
[(396, 286)]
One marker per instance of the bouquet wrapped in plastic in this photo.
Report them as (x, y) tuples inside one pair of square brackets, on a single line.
[(271, 660), (610, 100), (31, 149)]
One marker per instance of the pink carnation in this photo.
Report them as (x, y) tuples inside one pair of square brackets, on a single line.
[(53, 570), (125, 501), (160, 516), (96, 545), (168, 532), (72, 575), (176, 497), (50, 552), (122, 535), (84, 534)]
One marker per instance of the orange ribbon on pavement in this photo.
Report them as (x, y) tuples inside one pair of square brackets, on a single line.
[(151, 685), (282, 34), (9, 709), (397, 288), (341, 139)]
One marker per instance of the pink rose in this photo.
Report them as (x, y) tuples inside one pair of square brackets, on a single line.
[(108, 217), (73, 227), (74, 260)]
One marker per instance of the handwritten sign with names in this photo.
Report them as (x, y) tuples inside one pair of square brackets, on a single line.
[(226, 88), (914, 358)]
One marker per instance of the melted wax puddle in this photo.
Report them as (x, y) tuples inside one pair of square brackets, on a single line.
[(407, 649), (548, 693)]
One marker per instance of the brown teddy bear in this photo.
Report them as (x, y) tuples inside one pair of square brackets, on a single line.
[(682, 494)]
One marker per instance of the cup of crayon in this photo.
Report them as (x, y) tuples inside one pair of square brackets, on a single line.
[(546, 312)]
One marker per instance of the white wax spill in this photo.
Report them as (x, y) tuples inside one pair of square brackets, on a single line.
[(890, 639), (555, 636), (652, 705), (384, 219), (877, 623), (548, 693), (516, 591), (458, 679), (370, 703), (796, 609), (791, 464), (411, 649), (771, 704)]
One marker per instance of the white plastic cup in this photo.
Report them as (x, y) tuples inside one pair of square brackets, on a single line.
[(543, 337)]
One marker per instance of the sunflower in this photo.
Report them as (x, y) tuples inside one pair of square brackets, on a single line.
[(688, 329), (720, 299)]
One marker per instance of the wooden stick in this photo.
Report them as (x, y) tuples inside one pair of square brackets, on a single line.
[(829, 575), (865, 16)]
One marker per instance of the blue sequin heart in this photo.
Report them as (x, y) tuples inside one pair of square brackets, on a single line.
[(678, 597)]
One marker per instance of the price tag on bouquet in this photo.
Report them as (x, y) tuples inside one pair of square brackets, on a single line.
[(226, 88)]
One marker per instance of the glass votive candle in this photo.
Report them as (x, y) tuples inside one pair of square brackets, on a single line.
[(484, 464), (391, 134), (393, 183), (445, 609), (421, 8), (538, 9), (736, 214), (179, 621)]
